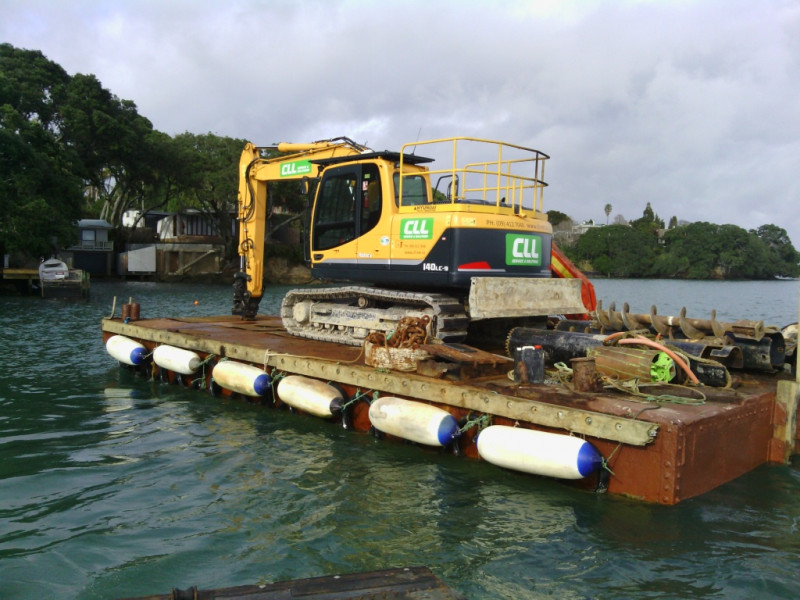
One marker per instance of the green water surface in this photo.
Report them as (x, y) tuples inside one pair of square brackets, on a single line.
[(114, 486)]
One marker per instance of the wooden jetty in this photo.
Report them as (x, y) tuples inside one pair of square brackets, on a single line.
[(408, 583), (74, 284), (664, 445), (25, 280)]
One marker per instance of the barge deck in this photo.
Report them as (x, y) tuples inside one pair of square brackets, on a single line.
[(661, 446)]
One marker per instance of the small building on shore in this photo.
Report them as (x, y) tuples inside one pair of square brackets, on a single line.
[(94, 252)]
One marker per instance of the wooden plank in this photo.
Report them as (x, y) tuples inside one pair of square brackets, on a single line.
[(463, 395), (20, 273), (461, 353), (409, 385), (407, 583)]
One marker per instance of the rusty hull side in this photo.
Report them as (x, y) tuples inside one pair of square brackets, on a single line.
[(698, 448)]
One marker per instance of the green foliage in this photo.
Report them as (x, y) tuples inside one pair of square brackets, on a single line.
[(125, 163), (557, 217), (780, 252), (617, 251), (40, 192), (70, 148), (696, 251), (649, 223), (206, 169), (31, 86), (61, 135), (439, 197), (293, 253)]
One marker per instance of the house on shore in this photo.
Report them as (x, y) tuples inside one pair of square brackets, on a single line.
[(171, 245)]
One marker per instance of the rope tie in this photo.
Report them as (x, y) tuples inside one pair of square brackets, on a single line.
[(358, 396), (631, 387), (481, 422)]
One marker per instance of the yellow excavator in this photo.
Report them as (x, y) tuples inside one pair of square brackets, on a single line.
[(463, 244)]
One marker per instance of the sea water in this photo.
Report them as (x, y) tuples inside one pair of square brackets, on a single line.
[(114, 486)]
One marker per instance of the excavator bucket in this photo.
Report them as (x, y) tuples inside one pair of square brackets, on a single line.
[(495, 297)]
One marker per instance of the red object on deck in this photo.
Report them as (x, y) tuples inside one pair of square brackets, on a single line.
[(561, 266)]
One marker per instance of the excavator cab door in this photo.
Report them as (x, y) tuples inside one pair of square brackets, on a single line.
[(333, 217), (347, 206)]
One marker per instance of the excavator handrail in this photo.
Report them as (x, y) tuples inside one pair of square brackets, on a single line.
[(500, 177), (471, 139)]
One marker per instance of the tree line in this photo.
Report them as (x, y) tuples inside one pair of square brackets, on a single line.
[(700, 250), (70, 149)]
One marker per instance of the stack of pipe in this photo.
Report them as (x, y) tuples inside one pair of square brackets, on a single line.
[(742, 344)]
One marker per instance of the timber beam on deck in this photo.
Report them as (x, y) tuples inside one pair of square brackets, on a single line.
[(407, 583)]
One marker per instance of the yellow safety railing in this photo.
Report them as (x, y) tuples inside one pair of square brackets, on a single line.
[(513, 177)]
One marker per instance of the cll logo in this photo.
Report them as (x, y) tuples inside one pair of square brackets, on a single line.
[(295, 168), (416, 229), (523, 250)]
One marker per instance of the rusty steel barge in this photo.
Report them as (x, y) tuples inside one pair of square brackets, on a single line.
[(727, 404)]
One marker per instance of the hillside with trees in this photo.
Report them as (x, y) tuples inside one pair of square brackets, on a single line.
[(700, 250)]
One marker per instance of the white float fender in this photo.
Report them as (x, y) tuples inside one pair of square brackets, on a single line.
[(538, 452), (241, 378), (126, 350), (177, 360), (414, 421), (310, 395)]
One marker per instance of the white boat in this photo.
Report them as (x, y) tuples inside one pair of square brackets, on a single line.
[(57, 280)]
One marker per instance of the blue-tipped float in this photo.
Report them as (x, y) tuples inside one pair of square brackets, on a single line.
[(241, 378), (413, 421), (126, 351), (538, 452), (310, 395)]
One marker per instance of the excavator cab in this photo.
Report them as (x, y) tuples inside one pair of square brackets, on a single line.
[(353, 212)]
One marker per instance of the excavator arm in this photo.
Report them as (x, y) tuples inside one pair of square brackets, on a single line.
[(256, 170)]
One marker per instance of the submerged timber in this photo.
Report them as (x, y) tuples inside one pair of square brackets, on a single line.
[(407, 583), (656, 442)]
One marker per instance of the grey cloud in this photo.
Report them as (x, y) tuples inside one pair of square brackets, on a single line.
[(687, 105)]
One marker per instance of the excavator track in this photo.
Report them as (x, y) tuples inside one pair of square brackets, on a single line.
[(347, 315)]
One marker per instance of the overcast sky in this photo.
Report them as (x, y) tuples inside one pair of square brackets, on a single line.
[(693, 106)]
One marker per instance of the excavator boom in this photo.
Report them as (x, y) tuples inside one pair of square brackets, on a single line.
[(258, 166)]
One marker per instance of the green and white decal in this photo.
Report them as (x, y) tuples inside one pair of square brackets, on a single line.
[(416, 229), (295, 168), (523, 250)]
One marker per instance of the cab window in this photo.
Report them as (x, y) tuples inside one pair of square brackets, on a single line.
[(371, 197), (414, 192), (348, 205), (334, 221)]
